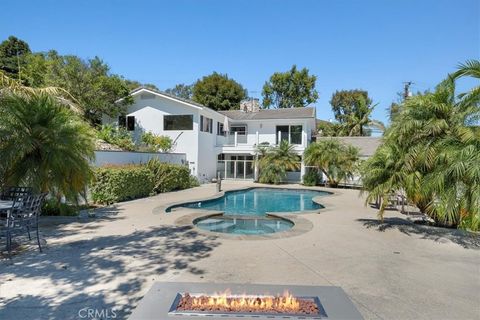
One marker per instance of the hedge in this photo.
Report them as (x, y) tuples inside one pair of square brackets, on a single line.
[(169, 177), (120, 183)]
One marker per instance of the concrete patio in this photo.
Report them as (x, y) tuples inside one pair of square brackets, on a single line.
[(395, 270)]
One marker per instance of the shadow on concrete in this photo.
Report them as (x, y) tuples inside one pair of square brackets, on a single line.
[(437, 234), (122, 264)]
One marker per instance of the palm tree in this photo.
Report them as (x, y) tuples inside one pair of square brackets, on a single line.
[(275, 161), (431, 152), (44, 144), (336, 160)]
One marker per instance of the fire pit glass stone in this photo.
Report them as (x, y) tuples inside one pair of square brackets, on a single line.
[(229, 304)]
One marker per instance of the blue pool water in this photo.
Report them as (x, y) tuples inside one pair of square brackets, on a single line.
[(256, 226), (259, 201)]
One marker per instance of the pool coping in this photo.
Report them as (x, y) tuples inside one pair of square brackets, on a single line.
[(300, 226)]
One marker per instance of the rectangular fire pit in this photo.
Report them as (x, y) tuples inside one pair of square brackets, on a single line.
[(183, 300)]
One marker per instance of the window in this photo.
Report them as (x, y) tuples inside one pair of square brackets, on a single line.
[(131, 123), (240, 130), (292, 134), (296, 134), (206, 124), (220, 131), (122, 121), (178, 122)]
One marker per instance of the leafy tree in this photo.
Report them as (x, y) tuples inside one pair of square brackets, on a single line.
[(431, 153), (181, 90), (352, 109), (44, 144), (132, 85), (291, 89), (336, 160), (90, 82), (218, 92), (12, 55), (275, 161), (331, 129)]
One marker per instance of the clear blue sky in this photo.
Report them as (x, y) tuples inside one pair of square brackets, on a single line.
[(372, 45)]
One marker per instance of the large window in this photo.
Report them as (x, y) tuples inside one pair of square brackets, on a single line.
[(292, 134), (178, 122), (206, 124)]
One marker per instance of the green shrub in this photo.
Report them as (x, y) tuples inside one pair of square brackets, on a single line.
[(157, 143), (169, 177), (119, 137), (311, 178), (53, 207), (120, 183)]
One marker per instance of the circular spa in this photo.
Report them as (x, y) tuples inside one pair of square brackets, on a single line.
[(248, 212)]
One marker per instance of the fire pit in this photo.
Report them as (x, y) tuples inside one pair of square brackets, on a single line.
[(227, 303), (194, 300)]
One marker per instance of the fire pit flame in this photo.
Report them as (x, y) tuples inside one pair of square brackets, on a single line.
[(226, 302)]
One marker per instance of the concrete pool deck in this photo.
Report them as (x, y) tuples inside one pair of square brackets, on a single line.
[(394, 270)]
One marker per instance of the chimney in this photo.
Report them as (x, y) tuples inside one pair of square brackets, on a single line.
[(250, 105)]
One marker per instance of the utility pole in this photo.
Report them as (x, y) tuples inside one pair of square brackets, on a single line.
[(406, 89)]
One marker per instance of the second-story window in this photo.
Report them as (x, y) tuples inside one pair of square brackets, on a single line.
[(178, 122), (292, 134), (206, 124), (220, 131), (240, 130)]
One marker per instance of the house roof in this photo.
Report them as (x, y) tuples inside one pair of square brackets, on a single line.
[(293, 113), (168, 95), (367, 145), (263, 114)]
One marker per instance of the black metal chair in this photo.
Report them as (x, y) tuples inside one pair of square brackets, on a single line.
[(10, 193), (23, 217)]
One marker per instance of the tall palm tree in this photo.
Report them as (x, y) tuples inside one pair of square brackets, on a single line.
[(44, 144), (336, 160), (276, 161)]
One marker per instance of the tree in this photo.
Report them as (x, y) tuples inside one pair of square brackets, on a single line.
[(218, 92), (90, 82), (132, 85), (291, 89), (352, 109), (44, 144), (275, 161), (12, 55), (181, 90), (336, 160), (431, 154)]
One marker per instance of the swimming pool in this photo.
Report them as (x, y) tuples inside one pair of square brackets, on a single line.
[(259, 201)]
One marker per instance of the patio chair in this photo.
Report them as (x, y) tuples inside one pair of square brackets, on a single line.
[(23, 218), (10, 193)]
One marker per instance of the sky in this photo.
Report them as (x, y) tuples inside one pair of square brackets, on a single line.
[(374, 45)]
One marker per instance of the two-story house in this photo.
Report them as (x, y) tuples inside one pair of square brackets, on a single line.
[(217, 141)]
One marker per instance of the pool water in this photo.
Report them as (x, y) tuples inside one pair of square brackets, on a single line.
[(259, 201), (256, 226)]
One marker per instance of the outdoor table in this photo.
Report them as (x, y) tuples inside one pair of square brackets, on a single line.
[(5, 205)]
